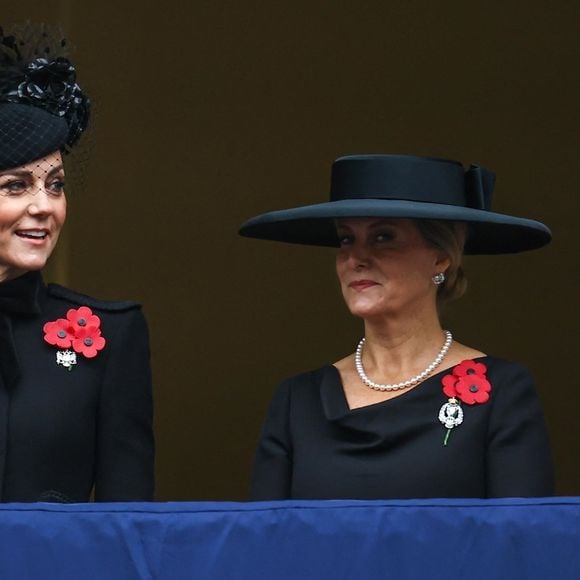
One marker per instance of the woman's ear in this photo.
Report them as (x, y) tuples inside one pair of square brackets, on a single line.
[(443, 262)]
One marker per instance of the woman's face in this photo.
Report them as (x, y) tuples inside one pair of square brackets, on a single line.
[(385, 267), (32, 213)]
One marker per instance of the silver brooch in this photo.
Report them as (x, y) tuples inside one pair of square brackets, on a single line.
[(451, 415), (66, 358)]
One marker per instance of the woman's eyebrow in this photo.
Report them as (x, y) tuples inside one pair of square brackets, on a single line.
[(54, 170), (17, 173), (26, 173)]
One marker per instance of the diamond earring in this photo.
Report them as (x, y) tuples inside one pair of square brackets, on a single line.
[(439, 278)]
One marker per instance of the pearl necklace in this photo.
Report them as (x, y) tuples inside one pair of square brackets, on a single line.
[(405, 384)]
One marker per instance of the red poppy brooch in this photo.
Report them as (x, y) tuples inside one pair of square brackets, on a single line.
[(466, 383), (80, 330)]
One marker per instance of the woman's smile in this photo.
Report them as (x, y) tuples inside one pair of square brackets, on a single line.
[(34, 236)]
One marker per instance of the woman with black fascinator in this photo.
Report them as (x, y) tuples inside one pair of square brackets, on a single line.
[(411, 413), (75, 381)]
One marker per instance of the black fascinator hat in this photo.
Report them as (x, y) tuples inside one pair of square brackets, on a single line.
[(404, 186), (42, 107)]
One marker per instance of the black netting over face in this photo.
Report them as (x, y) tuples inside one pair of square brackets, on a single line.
[(28, 133)]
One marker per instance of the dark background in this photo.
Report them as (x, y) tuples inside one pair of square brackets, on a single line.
[(209, 112)]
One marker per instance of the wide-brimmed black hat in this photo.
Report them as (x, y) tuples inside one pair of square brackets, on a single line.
[(404, 186), (42, 108)]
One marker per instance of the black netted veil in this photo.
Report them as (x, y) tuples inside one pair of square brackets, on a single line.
[(42, 108)]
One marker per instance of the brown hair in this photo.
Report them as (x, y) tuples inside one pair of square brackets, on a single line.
[(449, 237)]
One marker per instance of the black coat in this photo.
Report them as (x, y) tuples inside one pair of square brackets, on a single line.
[(313, 446), (64, 432)]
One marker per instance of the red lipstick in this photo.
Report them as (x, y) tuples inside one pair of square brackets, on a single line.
[(361, 284)]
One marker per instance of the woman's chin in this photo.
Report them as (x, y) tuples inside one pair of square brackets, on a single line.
[(377, 308), (366, 310), (35, 264)]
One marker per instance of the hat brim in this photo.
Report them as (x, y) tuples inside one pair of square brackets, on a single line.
[(489, 232)]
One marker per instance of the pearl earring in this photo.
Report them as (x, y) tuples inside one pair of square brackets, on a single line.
[(439, 278)]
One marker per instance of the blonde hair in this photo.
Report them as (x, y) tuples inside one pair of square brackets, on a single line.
[(449, 237)]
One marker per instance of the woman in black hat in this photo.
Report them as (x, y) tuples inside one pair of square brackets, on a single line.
[(75, 385), (411, 413)]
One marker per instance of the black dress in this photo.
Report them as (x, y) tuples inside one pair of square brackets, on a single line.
[(313, 446), (64, 432)]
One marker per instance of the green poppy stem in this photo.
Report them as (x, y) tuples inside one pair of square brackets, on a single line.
[(446, 437)]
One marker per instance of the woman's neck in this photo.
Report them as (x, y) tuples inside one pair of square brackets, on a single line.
[(397, 347)]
